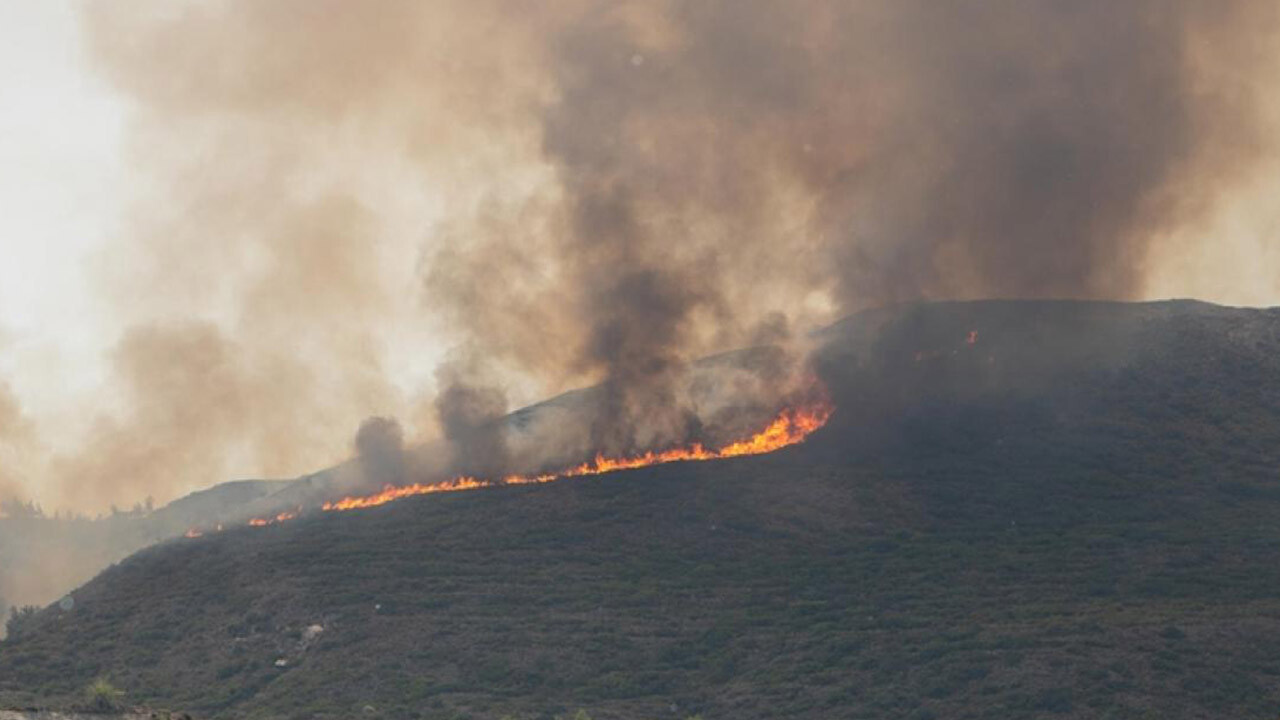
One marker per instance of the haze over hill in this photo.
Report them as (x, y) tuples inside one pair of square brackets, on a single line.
[(1020, 509)]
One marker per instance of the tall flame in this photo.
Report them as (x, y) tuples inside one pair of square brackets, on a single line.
[(788, 428)]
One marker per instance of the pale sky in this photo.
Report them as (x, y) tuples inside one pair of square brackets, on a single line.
[(60, 134)]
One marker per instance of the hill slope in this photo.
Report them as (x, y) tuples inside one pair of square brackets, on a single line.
[(1019, 510)]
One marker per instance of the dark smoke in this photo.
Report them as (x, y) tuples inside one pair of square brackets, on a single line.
[(468, 408), (624, 187), (720, 160), (380, 451)]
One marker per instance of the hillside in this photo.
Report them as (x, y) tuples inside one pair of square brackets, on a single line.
[(1019, 510), (44, 556)]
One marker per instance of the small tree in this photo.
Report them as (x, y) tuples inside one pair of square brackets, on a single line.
[(20, 620), (102, 696)]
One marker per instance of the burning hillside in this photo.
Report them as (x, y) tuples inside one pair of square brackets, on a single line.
[(745, 402), (788, 428), (1006, 529)]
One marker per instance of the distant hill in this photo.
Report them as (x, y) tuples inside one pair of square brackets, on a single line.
[(219, 501), (42, 556), (1019, 510)]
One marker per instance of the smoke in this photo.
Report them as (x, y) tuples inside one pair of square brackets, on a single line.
[(328, 196), (468, 407), (196, 403), (380, 450), (716, 161), (19, 449)]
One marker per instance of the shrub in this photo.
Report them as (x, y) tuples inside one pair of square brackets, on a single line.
[(20, 620), (102, 696)]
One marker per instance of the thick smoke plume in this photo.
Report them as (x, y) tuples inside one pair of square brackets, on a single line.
[(468, 407), (711, 162), (585, 191), (380, 450)]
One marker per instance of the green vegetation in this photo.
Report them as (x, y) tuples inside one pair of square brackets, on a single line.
[(20, 620), (1096, 536), (102, 696)]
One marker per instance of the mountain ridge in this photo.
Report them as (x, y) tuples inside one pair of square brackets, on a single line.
[(1071, 514)]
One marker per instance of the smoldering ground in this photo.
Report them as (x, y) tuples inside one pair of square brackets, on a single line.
[(590, 192)]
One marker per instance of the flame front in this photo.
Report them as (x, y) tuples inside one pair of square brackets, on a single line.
[(789, 428), (395, 492), (282, 517)]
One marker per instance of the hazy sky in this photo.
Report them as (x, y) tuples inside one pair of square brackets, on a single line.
[(72, 284), (60, 133), (84, 257), (64, 186)]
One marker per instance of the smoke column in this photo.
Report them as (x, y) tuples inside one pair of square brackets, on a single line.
[(712, 162)]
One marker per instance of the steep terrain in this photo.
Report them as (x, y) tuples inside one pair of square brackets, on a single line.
[(1019, 510)]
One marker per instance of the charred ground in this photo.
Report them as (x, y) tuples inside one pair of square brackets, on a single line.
[(1019, 510)]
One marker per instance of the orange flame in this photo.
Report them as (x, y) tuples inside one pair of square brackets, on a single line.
[(282, 517), (393, 492), (789, 428)]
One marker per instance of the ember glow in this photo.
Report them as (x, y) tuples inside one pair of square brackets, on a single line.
[(789, 428), (282, 517)]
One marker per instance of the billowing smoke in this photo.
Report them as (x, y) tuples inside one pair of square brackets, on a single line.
[(468, 407), (602, 192), (713, 162), (380, 451)]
